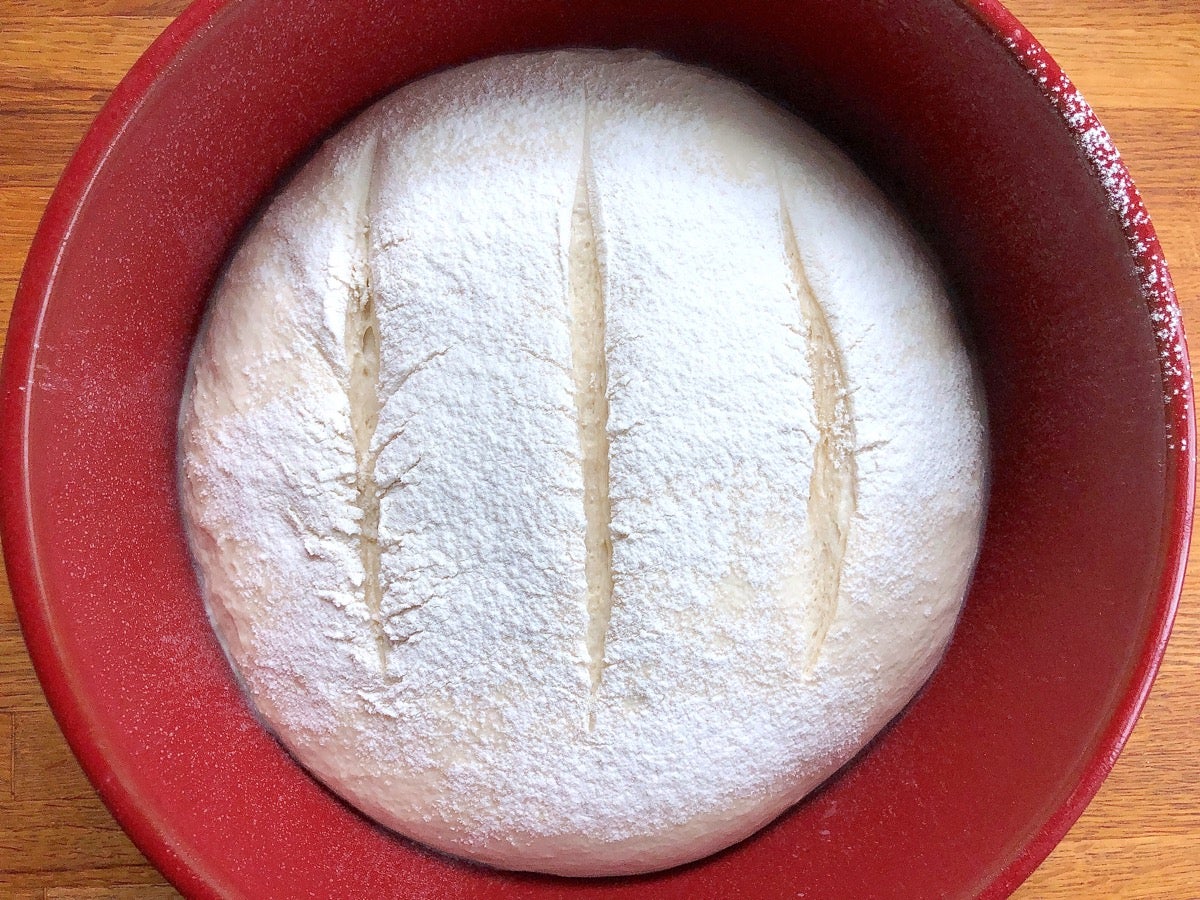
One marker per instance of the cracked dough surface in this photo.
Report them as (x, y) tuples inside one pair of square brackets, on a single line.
[(581, 462)]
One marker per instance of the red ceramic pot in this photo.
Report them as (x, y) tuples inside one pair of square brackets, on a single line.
[(948, 103)]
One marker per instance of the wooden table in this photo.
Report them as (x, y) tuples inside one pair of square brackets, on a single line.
[(1137, 61)]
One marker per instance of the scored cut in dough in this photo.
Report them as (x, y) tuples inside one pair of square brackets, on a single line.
[(581, 462)]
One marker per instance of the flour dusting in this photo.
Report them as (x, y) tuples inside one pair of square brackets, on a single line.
[(581, 461)]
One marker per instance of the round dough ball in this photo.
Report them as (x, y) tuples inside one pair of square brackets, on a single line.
[(581, 462)]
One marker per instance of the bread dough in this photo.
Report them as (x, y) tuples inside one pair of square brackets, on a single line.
[(581, 462)]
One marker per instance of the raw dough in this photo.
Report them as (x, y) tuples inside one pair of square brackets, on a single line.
[(581, 462)]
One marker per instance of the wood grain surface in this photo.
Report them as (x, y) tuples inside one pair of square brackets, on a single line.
[(1137, 61)]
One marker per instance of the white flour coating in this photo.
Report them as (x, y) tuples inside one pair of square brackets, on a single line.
[(581, 462)]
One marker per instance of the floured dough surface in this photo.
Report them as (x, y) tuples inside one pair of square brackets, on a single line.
[(581, 462)]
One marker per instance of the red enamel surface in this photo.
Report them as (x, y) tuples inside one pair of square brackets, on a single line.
[(1062, 287)]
